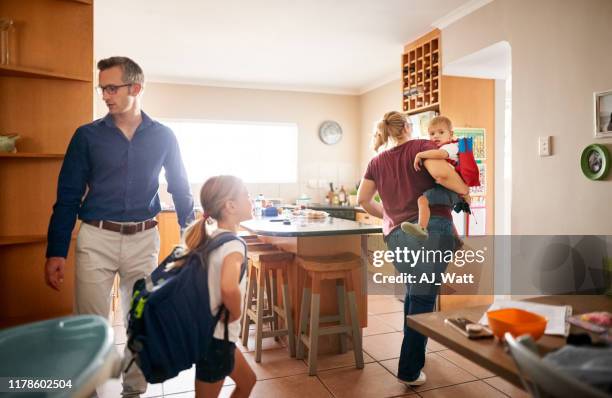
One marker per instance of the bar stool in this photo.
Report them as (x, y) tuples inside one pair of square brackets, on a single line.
[(320, 268), (261, 263), (247, 237), (253, 246)]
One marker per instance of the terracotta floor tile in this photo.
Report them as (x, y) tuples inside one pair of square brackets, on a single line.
[(433, 346), (332, 361), (439, 371), (376, 326), (184, 382), (275, 363), (384, 305), (266, 344), (465, 390), (383, 346), (395, 319), (507, 388), (299, 386), (371, 381), (465, 364)]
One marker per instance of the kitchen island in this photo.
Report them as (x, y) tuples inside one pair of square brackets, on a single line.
[(314, 237)]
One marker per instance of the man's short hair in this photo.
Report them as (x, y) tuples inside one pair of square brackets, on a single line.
[(442, 120), (132, 72)]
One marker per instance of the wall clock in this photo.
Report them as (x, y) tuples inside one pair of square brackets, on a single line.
[(330, 132)]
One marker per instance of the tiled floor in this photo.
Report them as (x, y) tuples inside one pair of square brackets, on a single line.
[(448, 373)]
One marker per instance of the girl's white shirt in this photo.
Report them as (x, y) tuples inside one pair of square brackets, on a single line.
[(215, 264)]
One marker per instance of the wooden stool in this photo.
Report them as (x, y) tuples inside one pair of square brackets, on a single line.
[(255, 245), (261, 264), (247, 237), (318, 268)]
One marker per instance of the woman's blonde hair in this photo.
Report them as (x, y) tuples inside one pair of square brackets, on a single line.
[(215, 193), (391, 126)]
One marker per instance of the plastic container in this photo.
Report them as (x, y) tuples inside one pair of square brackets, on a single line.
[(517, 322), (258, 207), (79, 349)]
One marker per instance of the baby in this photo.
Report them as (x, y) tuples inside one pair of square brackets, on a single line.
[(441, 133)]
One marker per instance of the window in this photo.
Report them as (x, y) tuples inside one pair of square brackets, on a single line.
[(255, 152)]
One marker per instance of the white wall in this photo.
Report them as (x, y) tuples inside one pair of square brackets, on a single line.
[(560, 56), (337, 163), (372, 106)]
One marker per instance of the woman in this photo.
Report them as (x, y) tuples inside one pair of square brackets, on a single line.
[(399, 185)]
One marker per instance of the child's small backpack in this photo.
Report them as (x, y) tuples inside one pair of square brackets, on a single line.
[(170, 324), (467, 167)]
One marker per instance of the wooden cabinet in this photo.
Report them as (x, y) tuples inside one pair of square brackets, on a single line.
[(421, 70), (45, 94), (169, 232)]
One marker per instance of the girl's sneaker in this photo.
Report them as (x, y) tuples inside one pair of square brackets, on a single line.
[(415, 230)]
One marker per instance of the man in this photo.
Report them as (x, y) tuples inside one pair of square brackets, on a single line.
[(115, 162)]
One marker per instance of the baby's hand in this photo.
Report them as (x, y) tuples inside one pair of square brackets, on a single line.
[(467, 198), (417, 162)]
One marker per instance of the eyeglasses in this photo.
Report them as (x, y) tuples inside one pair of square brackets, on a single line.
[(110, 89)]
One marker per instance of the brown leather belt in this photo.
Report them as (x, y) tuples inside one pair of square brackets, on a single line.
[(123, 229)]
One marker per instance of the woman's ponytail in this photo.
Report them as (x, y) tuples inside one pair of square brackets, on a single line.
[(391, 126)]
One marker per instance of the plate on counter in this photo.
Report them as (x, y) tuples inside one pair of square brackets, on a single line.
[(310, 214)]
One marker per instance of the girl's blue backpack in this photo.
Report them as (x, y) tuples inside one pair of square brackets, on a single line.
[(170, 325)]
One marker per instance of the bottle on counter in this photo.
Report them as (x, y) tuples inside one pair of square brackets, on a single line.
[(259, 203), (336, 199), (330, 194), (342, 196)]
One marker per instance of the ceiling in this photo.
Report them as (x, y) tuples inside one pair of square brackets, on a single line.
[(336, 46)]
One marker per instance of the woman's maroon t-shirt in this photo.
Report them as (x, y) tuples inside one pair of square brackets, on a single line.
[(399, 184)]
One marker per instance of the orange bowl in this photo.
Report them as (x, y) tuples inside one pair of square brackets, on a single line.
[(516, 321)]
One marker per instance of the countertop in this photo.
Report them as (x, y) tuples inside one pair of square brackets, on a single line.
[(301, 227)]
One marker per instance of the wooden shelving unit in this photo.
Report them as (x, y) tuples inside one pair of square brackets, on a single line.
[(45, 94), (20, 71), (421, 70)]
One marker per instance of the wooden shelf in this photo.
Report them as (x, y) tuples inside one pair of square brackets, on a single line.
[(20, 71), (32, 155), (429, 107), (422, 53)]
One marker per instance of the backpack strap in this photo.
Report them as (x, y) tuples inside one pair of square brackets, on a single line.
[(222, 239)]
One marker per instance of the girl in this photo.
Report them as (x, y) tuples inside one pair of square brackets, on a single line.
[(225, 200)]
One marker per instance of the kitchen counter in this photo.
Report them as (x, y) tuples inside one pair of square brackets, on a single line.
[(325, 237), (303, 227)]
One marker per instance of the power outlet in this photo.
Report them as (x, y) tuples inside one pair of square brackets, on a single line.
[(544, 146)]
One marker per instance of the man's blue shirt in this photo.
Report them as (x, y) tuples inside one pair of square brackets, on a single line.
[(121, 178)]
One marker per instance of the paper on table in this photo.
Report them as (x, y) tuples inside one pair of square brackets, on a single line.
[(556, 315)]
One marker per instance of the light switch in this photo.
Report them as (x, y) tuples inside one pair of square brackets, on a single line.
[(544, 146)]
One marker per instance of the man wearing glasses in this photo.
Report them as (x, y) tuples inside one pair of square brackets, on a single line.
[(109, 179)]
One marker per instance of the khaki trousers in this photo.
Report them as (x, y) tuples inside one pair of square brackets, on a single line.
[(100, 255)]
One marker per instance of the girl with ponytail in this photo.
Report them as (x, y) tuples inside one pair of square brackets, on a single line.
[(225, 201)]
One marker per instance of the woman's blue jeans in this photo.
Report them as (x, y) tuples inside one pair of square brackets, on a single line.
[(420, 295)]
